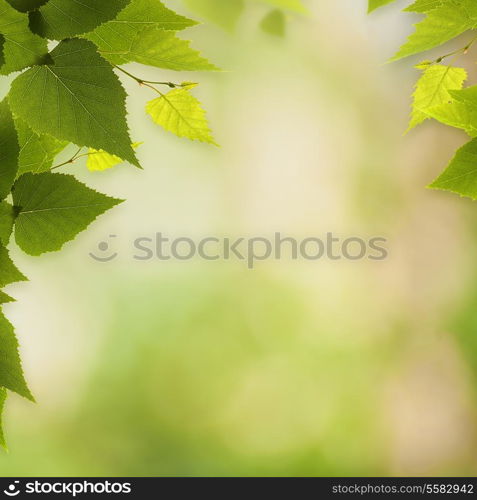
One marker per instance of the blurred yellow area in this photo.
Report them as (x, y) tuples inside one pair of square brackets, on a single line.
[(295, 367)]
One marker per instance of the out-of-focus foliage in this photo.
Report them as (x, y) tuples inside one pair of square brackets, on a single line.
[(228, 13)]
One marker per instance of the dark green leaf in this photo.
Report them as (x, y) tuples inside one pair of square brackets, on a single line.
[(21, 48), (5, 299), (7, 218), (8, 271), (78, 98), (2, 52), (60, 19), (11, 372), (3, 397), (9, 150), (53, 209), (26, 5), (37, 152)]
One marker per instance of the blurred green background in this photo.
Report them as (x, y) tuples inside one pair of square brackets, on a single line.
[(294, 368)]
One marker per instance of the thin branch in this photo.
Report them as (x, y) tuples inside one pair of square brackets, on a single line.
[(463, 50), (71, 160), (144, 82)]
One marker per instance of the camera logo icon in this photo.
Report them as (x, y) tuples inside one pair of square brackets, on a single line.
[(13, 489)]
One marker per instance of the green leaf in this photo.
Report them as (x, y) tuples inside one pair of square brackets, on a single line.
[(78, 98), (443, 23), (181, 113), (274, 23), (433, 89), (26, 5), (3, 398), (53, 209), (224, 13), (2, 52), (9, 150), (461, 175), (460, 112), (375, 4), (37, 152), (455, 114), (159, 48), (8, 271), (21, 48), (60, 19), (11, 372), (118, 34), (7, 218), (99, 161), (466, 96), (424, 6), (5, 299)]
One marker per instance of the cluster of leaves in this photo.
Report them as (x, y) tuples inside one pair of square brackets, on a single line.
[(227, 13), (441, 92), (67, 55)]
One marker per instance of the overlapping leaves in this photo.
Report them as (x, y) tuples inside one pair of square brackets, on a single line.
[(20, 47), (72, 97), (60, 19), (77, 98), (440, 92)]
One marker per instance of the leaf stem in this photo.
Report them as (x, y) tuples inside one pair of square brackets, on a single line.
[(145, 82), (72, 159), (462, 50)]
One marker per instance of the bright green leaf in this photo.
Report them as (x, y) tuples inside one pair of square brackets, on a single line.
[(455, 114), (160, 48), (181, 113), (99, 161), (466, 96), (375, 4), (433, 89), (442, 23), (424, 6), (460, 112)]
